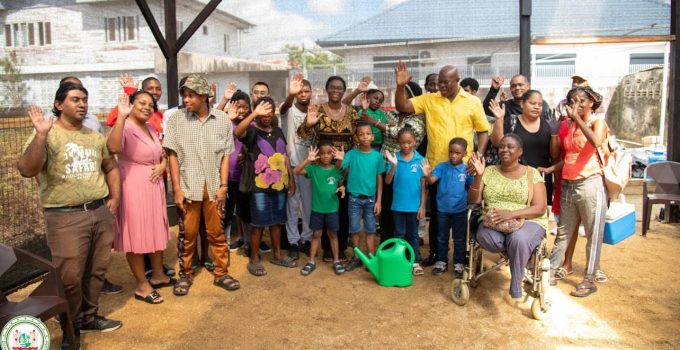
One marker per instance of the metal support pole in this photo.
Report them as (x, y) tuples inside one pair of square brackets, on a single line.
[(525, 38)]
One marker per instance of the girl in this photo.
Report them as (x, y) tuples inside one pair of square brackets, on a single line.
[(267, 179), (405, 169)]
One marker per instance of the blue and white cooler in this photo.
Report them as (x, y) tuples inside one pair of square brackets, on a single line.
[(620, 222)]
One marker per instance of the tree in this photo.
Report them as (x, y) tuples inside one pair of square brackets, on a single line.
[(14, 86), (300, 57)]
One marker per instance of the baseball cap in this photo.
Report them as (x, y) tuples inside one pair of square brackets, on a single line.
[(197, 84)]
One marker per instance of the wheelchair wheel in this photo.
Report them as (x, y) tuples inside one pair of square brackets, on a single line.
[(537, 311), (545, 276), (460, 292)]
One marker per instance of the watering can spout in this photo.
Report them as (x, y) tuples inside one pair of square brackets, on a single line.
[(370, 262)]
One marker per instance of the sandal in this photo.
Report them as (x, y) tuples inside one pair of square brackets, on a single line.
[(153, 298), (308, 268), (417, 270), (171, 282), (209, 265), (182, 286), (227, 282), (339, 268), (256, 269), (562, 273), (584, 289), (285, 261), (601, 277)]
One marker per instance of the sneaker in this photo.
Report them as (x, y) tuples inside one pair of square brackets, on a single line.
[(109, 288), (431, 260), (439, 268), (458, 270), (264, 248), (306, 247), (100, 324), (339, 268), (234, 246), (353, 264), (294, 252)]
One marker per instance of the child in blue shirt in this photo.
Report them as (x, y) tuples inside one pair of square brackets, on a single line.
[(453, 183), (410, 192), (364, 184)]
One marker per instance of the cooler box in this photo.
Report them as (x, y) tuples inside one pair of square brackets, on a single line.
[(620, 222)]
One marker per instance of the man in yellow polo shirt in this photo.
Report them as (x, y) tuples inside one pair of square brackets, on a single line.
[(451, 112)]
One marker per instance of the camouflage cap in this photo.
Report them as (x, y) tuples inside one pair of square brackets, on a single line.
[(197, 84)]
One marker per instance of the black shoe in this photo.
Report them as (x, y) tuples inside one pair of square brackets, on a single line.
[(342, 256), (169, 271), (264, 248), (294, 252), (109, 288), (431, 260), (306, 247), (246, 250), (100, 324), (65, 345), (234, 246), (353, 264)]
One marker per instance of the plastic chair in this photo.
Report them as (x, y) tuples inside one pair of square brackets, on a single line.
[(666, 175), (46, 301)]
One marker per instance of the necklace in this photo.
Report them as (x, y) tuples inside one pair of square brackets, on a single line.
[(336, 114)]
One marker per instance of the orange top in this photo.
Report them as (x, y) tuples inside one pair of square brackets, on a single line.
[(580, 160)]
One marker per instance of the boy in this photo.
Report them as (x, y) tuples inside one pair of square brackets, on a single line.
[(451, 206), (326, 181), (364, 184), (374, 116)]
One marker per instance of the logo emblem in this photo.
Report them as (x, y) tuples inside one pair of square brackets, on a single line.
[(331, 180), (414, 168), (461, 177), (25, 333)]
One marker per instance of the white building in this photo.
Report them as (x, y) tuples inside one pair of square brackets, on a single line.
[(97, 40)]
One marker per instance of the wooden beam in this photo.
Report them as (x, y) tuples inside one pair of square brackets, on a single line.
[(171, 71), (196, 23), (155, 30), (673, 92), (604, 39), (525, 38)]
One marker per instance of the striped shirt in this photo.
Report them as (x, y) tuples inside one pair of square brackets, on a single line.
[(200, 147)]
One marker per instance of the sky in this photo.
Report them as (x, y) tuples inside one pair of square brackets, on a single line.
[(298, 21)]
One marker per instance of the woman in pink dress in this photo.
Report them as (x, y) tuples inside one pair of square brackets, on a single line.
[(142, 217)]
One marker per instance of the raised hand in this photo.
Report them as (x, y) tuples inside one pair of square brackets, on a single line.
[(391, 157), (229, 91), (497, 109), (313, 114), (124, 106), (497, 82), (42, 126), (295, 84), (363, 84), (339, 154), (342, 191), (503, 96), (572, 108), (313, 154), (364, 102), (477, 163), (425, 166), (232, 112), (127, 81), (401, 74), (263, 109)]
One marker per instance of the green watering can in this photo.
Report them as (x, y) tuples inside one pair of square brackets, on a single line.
[(390, 267)]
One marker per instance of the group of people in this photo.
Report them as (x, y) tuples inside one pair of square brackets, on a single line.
[(318, 175)]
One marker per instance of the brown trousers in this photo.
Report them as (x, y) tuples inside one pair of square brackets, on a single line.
[(80, 244), (188, 234)]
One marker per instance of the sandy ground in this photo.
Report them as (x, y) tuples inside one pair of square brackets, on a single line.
[(638, 308)]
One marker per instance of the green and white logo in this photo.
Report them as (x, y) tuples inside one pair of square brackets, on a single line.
[(25, 333)]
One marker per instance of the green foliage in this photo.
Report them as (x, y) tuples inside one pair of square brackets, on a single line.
[(298, 57), (14, 87)]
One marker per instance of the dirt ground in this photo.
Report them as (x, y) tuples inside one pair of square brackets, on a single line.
[(638, 308)]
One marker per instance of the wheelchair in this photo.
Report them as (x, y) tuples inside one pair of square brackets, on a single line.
[(537, 272)]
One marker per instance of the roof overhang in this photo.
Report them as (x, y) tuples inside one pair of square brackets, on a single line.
[(193, 62)]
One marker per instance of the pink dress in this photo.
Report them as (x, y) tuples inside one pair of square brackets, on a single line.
[(142, 216)]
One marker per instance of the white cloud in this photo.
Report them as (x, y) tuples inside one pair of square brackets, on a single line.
[(388, 4), (326, 7)]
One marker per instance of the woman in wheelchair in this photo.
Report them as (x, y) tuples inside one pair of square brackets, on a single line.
[(514, 200)]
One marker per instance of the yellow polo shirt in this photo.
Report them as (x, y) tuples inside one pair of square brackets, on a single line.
[(446, 119)]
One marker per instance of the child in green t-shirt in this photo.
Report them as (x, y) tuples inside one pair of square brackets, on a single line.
[(371, 102), (326, 181)]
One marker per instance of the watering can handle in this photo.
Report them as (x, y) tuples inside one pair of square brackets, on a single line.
[(400, 242)]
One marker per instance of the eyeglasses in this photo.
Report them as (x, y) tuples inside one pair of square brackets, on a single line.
[(259, 93)]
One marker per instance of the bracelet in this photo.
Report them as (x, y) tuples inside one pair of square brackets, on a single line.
[(474, 189), (224, 185)]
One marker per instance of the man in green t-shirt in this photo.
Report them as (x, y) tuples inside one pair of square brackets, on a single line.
[(80, 192)]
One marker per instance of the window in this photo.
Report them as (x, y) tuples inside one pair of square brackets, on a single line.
[(122, 28), (642, 61), (25, 34), (388, 62), (205, 30), (226, 43), (555, 65)]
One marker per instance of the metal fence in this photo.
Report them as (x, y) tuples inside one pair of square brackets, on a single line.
[(21, 218)]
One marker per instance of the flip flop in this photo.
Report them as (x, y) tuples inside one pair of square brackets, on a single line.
[(182, 286), (256, 269), (151, 298), (562, 273), (171, 282), (601, 277), (584, 289), (285, 261)]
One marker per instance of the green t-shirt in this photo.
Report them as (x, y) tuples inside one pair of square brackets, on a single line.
[(363, 171), (324, 184), (377, 115), (72, 169)]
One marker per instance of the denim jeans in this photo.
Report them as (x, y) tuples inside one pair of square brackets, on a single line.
[(406, 227), (447, 221), (361, 207)]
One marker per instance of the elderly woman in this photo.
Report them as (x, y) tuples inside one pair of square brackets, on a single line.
[(583, 197), (512, 193), (335, 121)]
